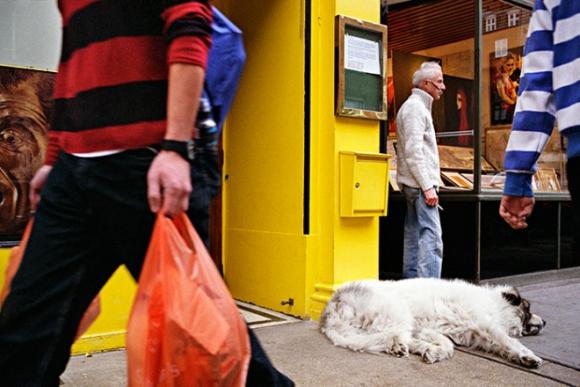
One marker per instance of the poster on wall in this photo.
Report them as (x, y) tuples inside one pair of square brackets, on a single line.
[(25, 103), (458, 101), (504, 82)]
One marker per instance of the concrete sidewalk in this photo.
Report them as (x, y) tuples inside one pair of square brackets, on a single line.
[(302, 353)]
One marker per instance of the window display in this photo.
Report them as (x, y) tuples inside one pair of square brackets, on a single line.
[(454, 115)]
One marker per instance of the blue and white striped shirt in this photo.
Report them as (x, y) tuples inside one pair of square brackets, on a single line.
[(549, 90)]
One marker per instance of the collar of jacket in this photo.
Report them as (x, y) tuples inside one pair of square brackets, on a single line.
[(423, 97)]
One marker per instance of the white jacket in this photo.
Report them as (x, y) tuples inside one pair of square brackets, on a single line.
[(417, 154)]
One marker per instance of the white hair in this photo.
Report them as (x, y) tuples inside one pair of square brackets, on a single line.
[(426, 71)]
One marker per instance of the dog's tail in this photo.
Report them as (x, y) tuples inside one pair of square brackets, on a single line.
[(345, 328)]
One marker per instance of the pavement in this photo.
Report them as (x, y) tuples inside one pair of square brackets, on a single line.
[(299, 350)]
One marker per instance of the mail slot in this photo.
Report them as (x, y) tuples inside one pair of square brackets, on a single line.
[(364, 179)]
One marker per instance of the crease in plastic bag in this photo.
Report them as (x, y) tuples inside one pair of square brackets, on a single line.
[(184, 328)]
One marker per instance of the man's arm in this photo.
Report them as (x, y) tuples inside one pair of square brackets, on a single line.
[(535, 110), (187, 28), (169, 178), (533, 121)]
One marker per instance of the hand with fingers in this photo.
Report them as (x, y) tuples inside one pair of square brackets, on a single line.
[(431, 197), (169, 183), (515, 210)]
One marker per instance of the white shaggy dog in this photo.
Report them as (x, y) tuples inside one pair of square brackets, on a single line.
[(428, 317)]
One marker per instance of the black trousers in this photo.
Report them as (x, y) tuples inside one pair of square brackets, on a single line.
[(92, 218)]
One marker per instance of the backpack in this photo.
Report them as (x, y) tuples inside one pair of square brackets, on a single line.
[(225, 63)]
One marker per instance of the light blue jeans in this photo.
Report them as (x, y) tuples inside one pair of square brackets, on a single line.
[(423, 244)]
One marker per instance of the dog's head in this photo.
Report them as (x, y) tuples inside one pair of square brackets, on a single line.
[(527, 323)]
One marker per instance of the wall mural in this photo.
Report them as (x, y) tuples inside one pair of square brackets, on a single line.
[(25, 104)]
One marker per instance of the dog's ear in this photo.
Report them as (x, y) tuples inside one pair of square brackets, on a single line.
[(512, 296)]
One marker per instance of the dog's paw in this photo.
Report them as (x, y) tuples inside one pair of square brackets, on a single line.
[(430, 357), (435, 354), (530, 360), (399, 349)]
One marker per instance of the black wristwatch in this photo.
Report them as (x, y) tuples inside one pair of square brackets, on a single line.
[(185, 149)]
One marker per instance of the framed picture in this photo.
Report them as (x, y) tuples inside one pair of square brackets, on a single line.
[(458, 101), (393, 180), (546, 180), (25, 102), (504, 82), (456, 179), (361, 89), (460, 159), (488, 182)]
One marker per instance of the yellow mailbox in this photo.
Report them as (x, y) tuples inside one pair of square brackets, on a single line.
[(364, 179)]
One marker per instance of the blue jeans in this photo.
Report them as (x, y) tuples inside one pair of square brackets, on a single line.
[(423, 244)]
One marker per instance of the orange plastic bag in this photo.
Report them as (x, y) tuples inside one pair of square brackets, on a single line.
[(15, 259), (184, 328)]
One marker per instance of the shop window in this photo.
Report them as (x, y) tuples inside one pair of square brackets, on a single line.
[(505, 29)]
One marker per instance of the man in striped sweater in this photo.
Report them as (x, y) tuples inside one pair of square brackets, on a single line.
[(126, 97), (549, 91)]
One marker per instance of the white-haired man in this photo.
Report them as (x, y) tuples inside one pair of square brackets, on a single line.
[(418, 174)]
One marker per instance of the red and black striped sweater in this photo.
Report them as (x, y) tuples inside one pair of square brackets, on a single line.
[(111, 86)]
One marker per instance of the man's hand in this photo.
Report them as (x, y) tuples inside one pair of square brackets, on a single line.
[(37, 183), (515, 210), (169, 183), (431, 197)]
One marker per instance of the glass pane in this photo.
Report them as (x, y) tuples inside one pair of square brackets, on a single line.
[(502, 60), (441, 31)]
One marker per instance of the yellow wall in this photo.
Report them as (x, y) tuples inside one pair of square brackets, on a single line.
[(267, 257), (264, 249)]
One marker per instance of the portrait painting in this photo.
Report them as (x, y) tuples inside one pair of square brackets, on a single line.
[(25, 105), (458, 100), (504, 82)]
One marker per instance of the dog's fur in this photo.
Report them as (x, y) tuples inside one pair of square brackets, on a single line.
[(428, 317)]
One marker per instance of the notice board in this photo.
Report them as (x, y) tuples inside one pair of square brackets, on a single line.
[(361, 48)]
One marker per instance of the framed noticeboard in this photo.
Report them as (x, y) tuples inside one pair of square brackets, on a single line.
[(361, 89)]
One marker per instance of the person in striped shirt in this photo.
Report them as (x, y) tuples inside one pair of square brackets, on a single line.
[(549, 91)]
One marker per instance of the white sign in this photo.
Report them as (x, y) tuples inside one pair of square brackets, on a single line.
[(501, 48), (361, 55)]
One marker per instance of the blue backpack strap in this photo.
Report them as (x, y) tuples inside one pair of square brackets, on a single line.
[(226, 60)]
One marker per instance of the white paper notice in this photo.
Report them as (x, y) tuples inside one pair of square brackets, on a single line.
[(362, 55)]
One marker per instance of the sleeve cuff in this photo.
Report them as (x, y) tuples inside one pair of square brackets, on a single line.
[(518, 184), (189, 49)]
